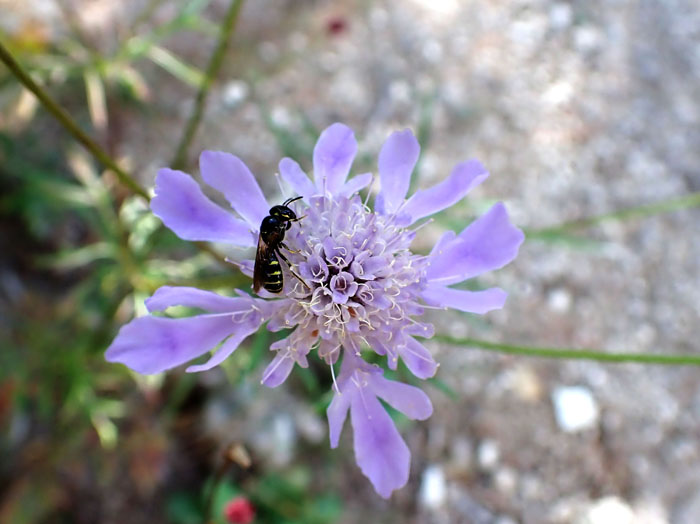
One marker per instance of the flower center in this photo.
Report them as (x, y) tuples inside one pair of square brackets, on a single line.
[(363, 279)]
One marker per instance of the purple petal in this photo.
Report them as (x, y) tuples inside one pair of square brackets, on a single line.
[(183, 208), (338, 251), (278, 370), (227, 348), (228, 174), (295, 177), (247, 267), (380, 451), (443, 242), (169, 296), (418, 359), (470, 301), (397, 159), (488, 243), (337, 412), (333, 156), (464, 178), (314, 268), (343, 286), (355, 184), (153, 344), (409, 400)]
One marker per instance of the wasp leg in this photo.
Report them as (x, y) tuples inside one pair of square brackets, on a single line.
[(290, 265), (285, 246)]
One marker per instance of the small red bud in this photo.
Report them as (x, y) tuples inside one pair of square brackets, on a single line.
[(239, 511), (336, 25)]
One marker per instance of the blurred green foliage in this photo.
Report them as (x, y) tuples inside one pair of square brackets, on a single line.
[(277, 498), (82, 257)]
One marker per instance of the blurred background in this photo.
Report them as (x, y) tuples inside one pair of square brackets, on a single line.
[(579, 109)]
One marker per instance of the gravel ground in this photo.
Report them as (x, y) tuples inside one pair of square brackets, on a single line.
[(577, 108)]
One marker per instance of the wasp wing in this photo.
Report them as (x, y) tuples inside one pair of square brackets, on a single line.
[(261, 257)]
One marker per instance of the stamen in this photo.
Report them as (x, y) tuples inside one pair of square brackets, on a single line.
[(228, 314), (364, 402), (422, 357), (279, 363), (421, 226), (363, 339), (439, 308), (335, 384), (279, 183), (369, 192)]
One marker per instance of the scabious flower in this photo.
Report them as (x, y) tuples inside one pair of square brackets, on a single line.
[(365, 290)]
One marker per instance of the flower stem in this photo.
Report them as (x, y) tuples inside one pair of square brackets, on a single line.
[(215, 62), (664, 206), (65, 119), (570, 353), (209, 500)]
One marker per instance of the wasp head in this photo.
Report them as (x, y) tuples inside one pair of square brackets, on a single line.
[(283, 213)]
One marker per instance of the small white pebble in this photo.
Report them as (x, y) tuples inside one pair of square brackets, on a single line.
[(487, 454), (433, 488), (559, 300), (560, 16), (609, 510), (460, 455), (588, 39), (575, 409), (432, 51), (505, 480), (234, 92)]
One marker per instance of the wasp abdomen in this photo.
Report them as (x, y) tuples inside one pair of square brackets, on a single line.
[(272, 274)]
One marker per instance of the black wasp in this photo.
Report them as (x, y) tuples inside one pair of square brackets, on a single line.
[(267, 272)]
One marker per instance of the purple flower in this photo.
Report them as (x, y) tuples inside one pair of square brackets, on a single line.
[(365, 290)]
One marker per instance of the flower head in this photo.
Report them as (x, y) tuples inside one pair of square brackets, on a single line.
[(363, 290)]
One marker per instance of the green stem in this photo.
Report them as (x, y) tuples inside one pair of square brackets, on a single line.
[(64, 118), (145, 14), (664, 206), (570, 353), (215, 62), (216, 481)]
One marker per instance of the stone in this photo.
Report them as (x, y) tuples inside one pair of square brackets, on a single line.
[(575, 409)]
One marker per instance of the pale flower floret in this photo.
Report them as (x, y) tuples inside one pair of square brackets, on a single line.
[(365, 290)]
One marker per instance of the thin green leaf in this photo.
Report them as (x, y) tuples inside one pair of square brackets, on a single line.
[(175, 66), (664, 206), (571, 353), (562, 238), (75, 258), (445, 388), (96, 99), (62, 192), (207, 80)]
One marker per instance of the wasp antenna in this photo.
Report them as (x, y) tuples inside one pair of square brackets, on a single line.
[(290, 200)]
